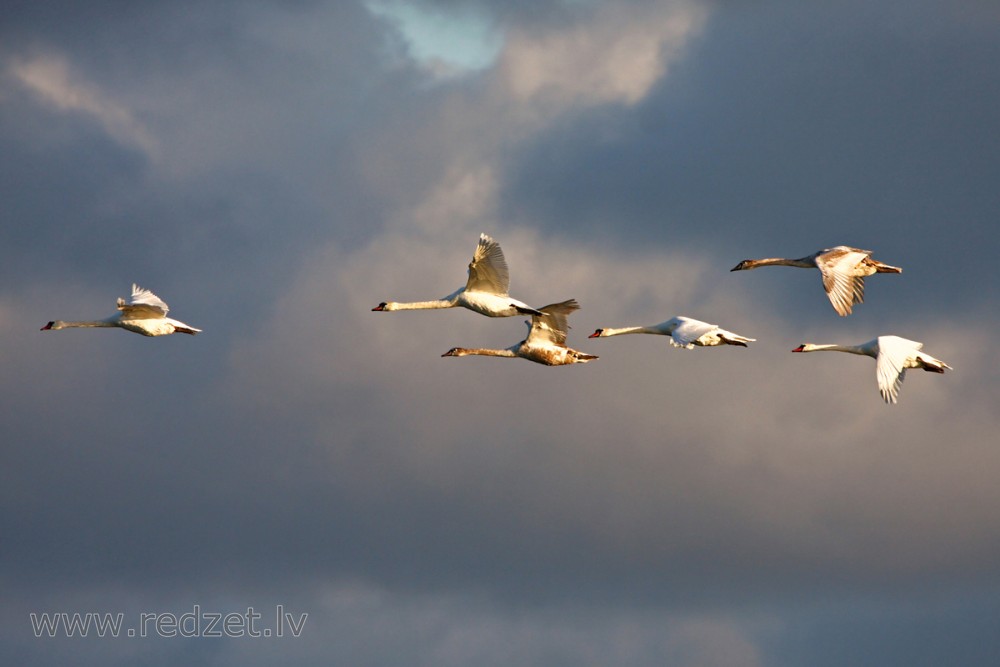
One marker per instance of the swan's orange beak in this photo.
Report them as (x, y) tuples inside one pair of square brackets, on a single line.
[(381, 306), (799, 348), (596, 334), (47, 326)]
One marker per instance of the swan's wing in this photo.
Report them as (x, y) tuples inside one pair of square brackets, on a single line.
[(890, 364), (488, 269), (144, 304), (551, 327), (842, 287), (688, 331)]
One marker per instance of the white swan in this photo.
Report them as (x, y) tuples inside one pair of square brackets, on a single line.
[(546, 341), (893, 355), (145, 314), (485, 292), (844, 270), (684, 332)]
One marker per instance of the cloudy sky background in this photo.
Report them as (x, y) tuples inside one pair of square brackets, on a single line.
[(274, 170)]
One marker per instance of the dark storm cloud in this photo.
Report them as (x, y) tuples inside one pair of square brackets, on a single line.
[(274, 172), (207, 87), (865, 127)]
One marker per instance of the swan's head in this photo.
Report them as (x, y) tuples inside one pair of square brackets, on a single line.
[(745, 265), (597, 334), (385, 305), (805, 347), (52, 326), (456, 352)]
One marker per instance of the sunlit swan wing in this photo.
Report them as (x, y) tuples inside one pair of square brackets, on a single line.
[(891, 364), (843, 285), (488, 270), (144, 304), (688, 331), (550, 328)]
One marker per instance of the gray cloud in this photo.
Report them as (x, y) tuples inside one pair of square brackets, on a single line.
[(275, 172)]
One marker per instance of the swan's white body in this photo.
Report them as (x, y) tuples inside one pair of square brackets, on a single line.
[(546, 341), (145, 314), (843, 268), (893, 355), (684, 332), (485, 292)]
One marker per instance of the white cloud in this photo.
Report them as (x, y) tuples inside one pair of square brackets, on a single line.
[(612, 55), (464, 194), (55, 82), (616, 57)]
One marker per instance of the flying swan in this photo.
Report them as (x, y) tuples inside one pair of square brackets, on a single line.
[(145, 314), (893, 355), (485, 292), (546, 341), (844, 270), (684, 332)]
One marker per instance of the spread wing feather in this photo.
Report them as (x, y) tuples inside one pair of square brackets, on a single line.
[(488, 269), (144, 304), (843, 286), (890, 365), (688, 331), (551, 327)]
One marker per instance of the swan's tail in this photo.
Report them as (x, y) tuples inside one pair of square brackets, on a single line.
[(729, 338), (933, 365), (883, 268)]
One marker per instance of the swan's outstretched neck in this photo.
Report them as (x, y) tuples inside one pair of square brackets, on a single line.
[(853, 349), (55, 325), (608, 331), (414, 305), (485, 352), (803, 263)]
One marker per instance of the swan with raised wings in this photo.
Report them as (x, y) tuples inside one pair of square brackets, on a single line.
[(485, 291), (546, 341), (684, 332), (893, 355), (844, 270), (145, 314)]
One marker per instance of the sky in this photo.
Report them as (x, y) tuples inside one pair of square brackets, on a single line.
[(275, 170)]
